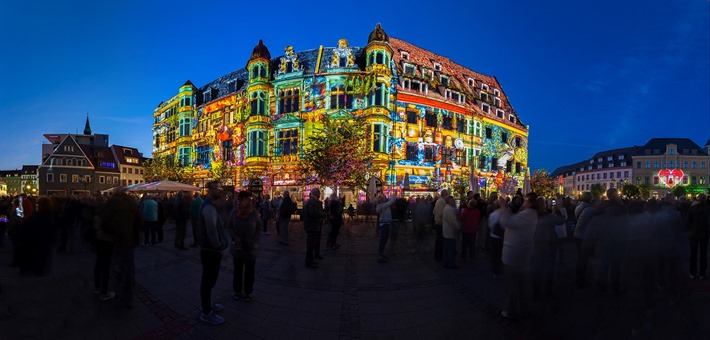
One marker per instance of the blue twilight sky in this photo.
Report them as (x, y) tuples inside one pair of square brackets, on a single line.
[(586, 76)]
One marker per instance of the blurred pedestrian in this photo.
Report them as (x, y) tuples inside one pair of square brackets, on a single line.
[(213, 243), (243, 224), (312, 223)]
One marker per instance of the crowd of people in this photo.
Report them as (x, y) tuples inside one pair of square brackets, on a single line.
[(523, 237)]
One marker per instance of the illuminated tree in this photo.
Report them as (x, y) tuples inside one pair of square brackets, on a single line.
[(644, 190), (597, 190), (630, 190), (678, 191), (337, 154), (167, 167), (542, 184)]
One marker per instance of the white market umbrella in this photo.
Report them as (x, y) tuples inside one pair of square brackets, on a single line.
[(163, 186)]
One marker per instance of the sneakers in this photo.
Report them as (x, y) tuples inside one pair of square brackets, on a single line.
[(216, 307), (211, 318), (107, 296)]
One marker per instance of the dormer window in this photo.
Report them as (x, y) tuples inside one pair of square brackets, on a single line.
[(470, 82), (231, 86), (444, 80), (207, 96), (437, 66), (409, 69), (671, 151), (484, 87), (486, 108), (427, 73), (496, 92), (496, 101), (511, 118), (404, 55), (499, 113)]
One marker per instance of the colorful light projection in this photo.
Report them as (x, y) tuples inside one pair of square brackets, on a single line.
[(671, 177)]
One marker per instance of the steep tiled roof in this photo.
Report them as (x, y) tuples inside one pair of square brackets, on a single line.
[(567, 169), (120, 152), (98, 156), (661, 143)]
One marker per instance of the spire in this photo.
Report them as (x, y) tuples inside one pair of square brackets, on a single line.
[(87, 128)]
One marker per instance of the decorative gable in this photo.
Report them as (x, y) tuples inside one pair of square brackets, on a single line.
[(342, 56), (289, 62)]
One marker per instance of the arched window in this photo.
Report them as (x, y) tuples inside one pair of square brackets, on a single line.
[(257, 141), (379, 95), (379, 137), (258, 103)]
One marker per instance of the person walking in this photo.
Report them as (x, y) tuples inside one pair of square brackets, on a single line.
[(495, 240), (438, 223), (313, 215), (195, 208), (544, 250), (105, 236), (267, 213), (181, 214), (583, 214), (213, 243), (121, 218), (243, 225), (335, 217), (470, 220), (450, 229), (286, 209), (517, 251), (697, 222), (383, 209), (149, 211)]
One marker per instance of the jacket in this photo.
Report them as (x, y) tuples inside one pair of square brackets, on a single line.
[(313, 215), (245, 234), (383, 209), (696, 221), (470, 219), (450, 222), (519, 235), (211, 228)]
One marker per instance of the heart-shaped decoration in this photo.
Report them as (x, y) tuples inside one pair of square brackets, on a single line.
[(671, 177)]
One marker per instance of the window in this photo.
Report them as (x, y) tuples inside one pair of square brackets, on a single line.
[(429, 74), (509, 166), (623, 163), (685, 164), (621, 157), (102, 180), (404, 55), (484, 87), (258, 71), (409, 69), (258, 103), (185, 101), (287, 141), (130, 170), (489, 133), (115, 180), (185, 127), (412, 152), (482, 162), (504, 137), (604, 175), (685, 179), (671, 151), (518, 142), (638, 165), (475, 128), (50, 177), (671, 164), (444, 80), (511, 118), (411, 117), (655, 179), (611, 175), (231, 86), (626, 174), (184, 156), (499, 113), (430, 118), (207, 96), (496, 92), (484, 96), (69, 148), (694, 164), (203, 154), (655, 165), (338, 98), (257, 143), (693, 180), (379, 95), (227, 154), (494, 163), (429, 153), (447, 122), (496, 101), (518, 167), (460, 125), (379, 138), (702, 166), (289, 101), (470, 82), (486, 108), (437, 66)]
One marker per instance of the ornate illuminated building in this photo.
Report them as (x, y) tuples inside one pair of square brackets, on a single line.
[(428, 117)]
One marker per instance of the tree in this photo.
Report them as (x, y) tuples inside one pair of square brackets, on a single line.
[(630, 190), (167, 167), (678, 191), (337, 154), (542, 184), (597, 190), (222, 172), (644, 190)]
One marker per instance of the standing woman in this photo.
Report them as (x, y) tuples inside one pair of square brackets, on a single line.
[(470, 218), (335, 216), (39, 236), (243, 224)]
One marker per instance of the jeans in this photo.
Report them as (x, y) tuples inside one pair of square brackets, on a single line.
[(334, 232), (126, 273), (150, 230), (695, 247), (515, 278), (449, 252), (243, 275), (104, 251), (180, 231), (384, 235), (468, 245), (312, 242), (584, 252), (210, 271), (195, 231), (283, 229), (439, 243), (495, 247), (543, 267)]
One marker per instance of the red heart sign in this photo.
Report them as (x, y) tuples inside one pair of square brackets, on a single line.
[(671, 177)]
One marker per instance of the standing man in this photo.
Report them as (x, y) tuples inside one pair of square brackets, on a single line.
[(583, 213), (696, 221), (121, 217), (195, 208), (266, 213), (517, 251), (312, 222), (149, 211), (450, 229), (286, 209), (438, 222), (383, 209), (213, 242), (181, 214)]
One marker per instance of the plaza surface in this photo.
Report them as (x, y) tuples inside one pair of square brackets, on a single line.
[(350, 296)]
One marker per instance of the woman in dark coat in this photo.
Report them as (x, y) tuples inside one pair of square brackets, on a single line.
[(243, 224), (37, 238)]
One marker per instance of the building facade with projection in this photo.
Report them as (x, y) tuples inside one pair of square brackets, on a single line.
[(429, 119)]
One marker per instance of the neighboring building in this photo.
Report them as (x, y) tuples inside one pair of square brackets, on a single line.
[(130, 162), (13, 180), (663, 163), (79, 164), (428, 116), (29, 181), (3, 188)]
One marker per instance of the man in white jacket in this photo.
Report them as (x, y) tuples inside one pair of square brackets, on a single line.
[(438, 224), (517, 252), (450, 228), (385, 221)]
